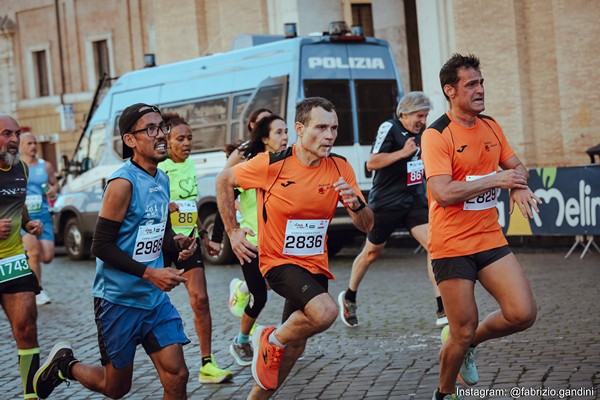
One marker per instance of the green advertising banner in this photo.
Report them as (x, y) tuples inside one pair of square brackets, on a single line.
[(571, 203)]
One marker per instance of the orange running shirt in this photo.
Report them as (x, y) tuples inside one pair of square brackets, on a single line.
[(292, 194), (465, 154)]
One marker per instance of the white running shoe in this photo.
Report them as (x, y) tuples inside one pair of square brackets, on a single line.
[(42, 298)]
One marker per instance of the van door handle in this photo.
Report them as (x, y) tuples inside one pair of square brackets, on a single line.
[(368, 173)]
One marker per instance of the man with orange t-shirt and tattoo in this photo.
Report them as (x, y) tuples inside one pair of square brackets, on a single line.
[(462, 151), (299, 189)]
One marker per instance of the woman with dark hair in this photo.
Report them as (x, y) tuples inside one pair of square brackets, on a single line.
[(269, 134), (256, 116), (184, 219)]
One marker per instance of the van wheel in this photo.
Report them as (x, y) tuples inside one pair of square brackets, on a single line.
[(226, 255), (77, 245)]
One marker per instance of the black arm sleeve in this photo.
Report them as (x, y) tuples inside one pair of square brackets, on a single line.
[(218, 226), (104, 247)]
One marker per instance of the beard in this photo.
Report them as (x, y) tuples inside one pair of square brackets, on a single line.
[(9, 158)]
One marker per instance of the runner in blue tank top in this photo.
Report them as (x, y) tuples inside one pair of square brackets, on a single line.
[(42, 184), (130, 303)]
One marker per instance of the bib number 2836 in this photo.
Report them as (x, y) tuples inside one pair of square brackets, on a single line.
[(305, 237)]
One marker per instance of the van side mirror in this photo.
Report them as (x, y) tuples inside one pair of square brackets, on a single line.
[(86, 164), (65, 164)]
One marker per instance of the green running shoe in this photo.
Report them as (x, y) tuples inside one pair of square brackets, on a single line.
[(468, 370), (452, 396), (237, 299), (211, 373), (253, 328)]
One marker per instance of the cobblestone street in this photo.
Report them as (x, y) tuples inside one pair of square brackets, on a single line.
[(391, 355)]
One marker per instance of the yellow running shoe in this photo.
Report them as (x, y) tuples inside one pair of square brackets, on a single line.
[(211, 373), (237, 299), (253, 328)]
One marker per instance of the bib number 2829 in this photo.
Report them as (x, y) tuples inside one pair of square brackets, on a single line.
[(485, 200)]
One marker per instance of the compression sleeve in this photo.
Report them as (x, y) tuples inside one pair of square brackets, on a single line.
[(104, 247)]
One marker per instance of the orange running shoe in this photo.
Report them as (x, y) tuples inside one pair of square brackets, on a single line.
[(266, 359)]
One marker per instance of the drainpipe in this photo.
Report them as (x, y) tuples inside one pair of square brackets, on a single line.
[(60, 54)]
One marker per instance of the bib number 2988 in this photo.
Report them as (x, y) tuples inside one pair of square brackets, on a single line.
[(148, 242), (149, 247)]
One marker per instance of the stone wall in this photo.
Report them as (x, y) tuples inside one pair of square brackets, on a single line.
[(540, 64)]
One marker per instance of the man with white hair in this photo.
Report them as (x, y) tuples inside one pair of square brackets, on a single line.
[(397, 196)]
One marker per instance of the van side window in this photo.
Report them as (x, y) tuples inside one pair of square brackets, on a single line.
[(270, 96), (376, 102), (209, 122), (238, 105), (338, 92), (117, 140)]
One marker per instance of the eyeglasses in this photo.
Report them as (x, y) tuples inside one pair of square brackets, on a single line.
[(152, 130)]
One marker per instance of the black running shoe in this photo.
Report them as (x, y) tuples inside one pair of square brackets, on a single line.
[(54, 371)]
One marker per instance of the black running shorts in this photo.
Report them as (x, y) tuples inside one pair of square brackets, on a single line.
[(466, 267), (27, 283), (297, 285), (195, 261), (387, 221)]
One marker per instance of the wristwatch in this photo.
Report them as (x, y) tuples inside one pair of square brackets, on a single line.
[(360, 206)]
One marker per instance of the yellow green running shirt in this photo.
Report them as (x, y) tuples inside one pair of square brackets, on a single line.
[(13, 190), (248, 211), (184, 191)]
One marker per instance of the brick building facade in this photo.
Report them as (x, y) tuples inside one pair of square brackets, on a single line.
[(539, 57)]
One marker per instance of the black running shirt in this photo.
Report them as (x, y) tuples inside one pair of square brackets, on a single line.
[(390, 185)]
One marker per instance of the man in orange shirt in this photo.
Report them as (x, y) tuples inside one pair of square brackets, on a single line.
[(299, 189), (462, 151)]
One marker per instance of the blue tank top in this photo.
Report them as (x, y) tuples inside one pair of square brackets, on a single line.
[(140, 236), (36, 201)]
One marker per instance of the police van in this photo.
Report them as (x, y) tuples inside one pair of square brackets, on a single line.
[(216, 95)]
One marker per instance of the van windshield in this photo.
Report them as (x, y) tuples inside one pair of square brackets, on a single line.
[(375, 102), (338, 92)]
